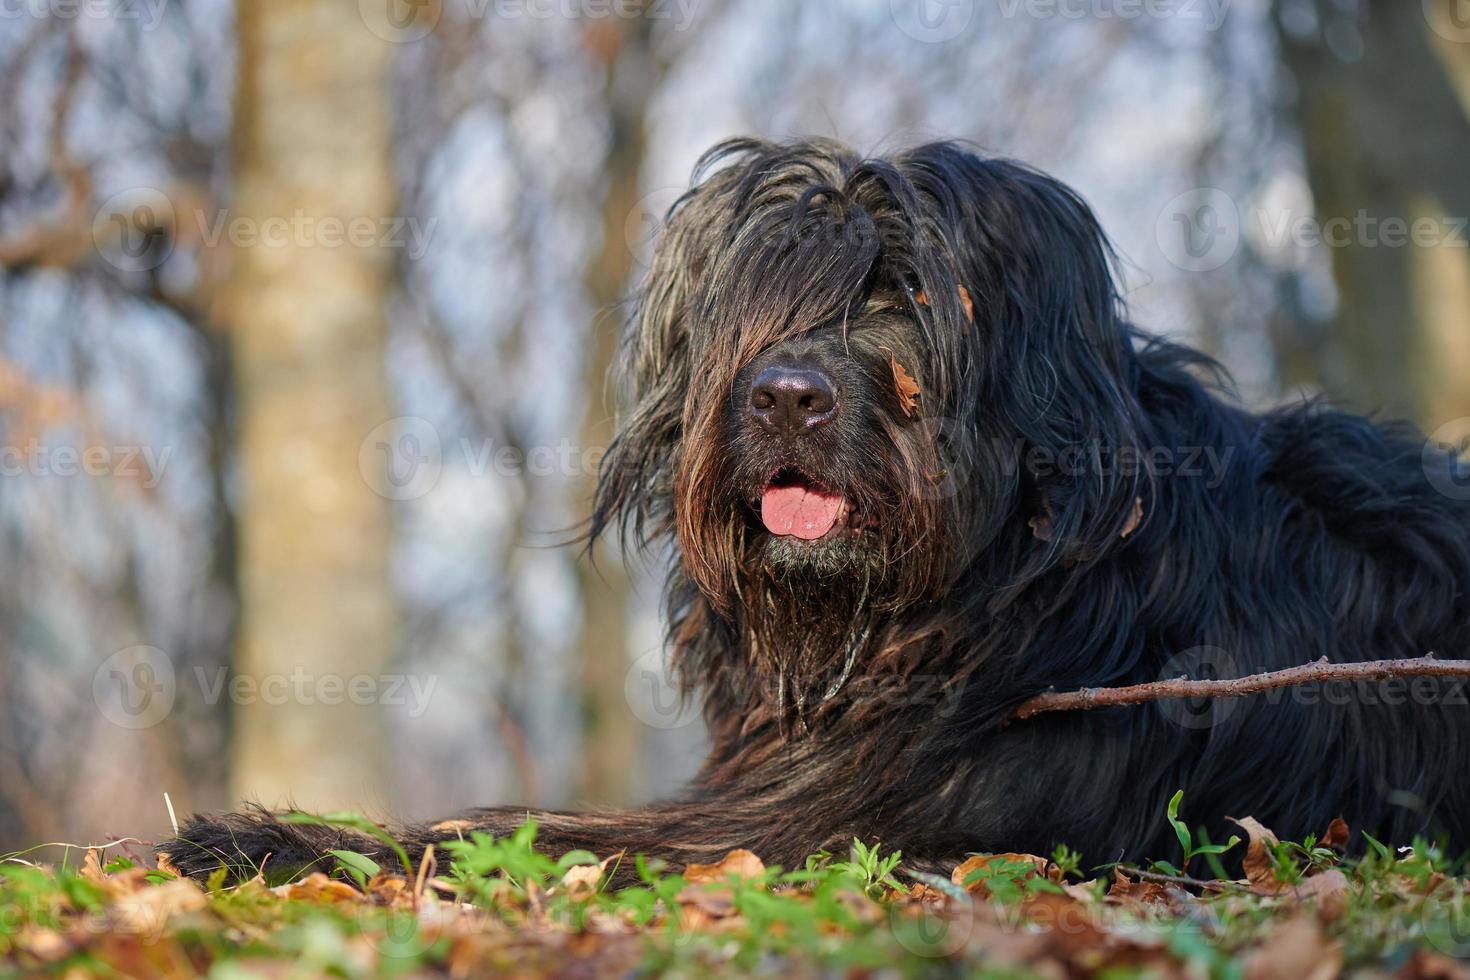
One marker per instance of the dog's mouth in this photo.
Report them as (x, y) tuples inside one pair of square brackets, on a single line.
[(795, 505)]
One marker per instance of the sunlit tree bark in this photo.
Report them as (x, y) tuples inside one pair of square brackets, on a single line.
[(612, 735), (312, 142), (1383, 98)]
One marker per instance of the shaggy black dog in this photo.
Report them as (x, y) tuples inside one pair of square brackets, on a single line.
[(918, 467)]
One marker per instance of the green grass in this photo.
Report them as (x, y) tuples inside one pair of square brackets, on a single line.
[(483, 905)]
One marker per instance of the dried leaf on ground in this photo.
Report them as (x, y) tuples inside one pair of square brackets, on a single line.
[(740, 863), (1295, 950)]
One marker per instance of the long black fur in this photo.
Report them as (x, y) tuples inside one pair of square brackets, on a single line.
[(862, 686)]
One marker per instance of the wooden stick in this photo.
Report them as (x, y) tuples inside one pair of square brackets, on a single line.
[(1237, 687)]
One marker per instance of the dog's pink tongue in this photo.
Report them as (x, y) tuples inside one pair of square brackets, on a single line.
[(799, 511)]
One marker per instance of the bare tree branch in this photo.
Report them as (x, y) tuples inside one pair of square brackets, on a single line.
[(1237, 687)]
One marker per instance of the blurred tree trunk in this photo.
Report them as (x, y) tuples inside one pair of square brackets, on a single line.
[(1383, 99), (612, 739), (307, 318)]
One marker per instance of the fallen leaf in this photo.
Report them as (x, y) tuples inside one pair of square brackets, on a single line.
[(1329, 890), (1337, 834), (390, 890), (924, 895), (168, 867), (740, 863), (91, 868), (581, 880), (44, 944), (1125, 890), (1428, 965), (1295, 950), (317, 887), (1086, 892), (147, 910), (1059, 912), (1259, 872), (444, 825), (1039, 867)]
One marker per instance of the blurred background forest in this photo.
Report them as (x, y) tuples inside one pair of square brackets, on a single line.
[(306, 306)]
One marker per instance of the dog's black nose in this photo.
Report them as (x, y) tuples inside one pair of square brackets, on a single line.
[(792, 401)]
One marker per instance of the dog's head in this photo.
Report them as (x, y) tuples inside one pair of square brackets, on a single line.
[(841, 368)]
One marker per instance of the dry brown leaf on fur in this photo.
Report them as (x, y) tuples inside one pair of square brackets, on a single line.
[(1135, 518), (1336, 835), (904, 384), (907, 387), (969, 306), (922, 299)]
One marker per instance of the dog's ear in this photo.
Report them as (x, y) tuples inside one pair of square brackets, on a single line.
[(1055, 394)]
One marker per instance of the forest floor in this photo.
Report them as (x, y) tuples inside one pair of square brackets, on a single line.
[(1298, 909)]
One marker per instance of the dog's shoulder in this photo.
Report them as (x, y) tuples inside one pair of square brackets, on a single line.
[(1374, 478)]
